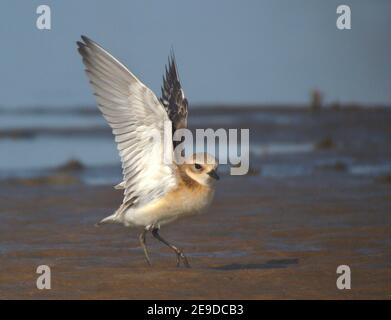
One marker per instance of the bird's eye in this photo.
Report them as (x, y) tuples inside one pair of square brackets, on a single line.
[(198, 166)]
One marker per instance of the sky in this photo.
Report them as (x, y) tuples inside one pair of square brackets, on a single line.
[(228, 52)]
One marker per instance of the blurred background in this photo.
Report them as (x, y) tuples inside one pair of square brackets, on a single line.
[(314, 97)]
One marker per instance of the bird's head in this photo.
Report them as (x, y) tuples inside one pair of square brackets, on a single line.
[(201, 167)]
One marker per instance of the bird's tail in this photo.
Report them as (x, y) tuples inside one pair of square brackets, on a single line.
[(116, 217), (109, 219)]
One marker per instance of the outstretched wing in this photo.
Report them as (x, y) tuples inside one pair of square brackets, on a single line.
[(137, 120), (173, 97)]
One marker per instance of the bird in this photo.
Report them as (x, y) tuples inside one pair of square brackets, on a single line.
[(156, 192)]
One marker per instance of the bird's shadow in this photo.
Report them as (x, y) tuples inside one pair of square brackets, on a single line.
[(271, 264)]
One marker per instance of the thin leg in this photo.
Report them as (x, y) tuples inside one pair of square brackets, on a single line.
[(142, 242), (179, 253)]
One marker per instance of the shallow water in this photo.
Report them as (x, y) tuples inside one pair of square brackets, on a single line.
[(32, 120), (283, 143), (48, 152)]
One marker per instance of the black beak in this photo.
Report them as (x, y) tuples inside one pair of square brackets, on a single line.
[(213, 174)]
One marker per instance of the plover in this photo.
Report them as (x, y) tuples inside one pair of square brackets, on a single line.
[(155, 192)]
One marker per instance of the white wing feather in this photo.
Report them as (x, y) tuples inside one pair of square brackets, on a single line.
[(136, 116)]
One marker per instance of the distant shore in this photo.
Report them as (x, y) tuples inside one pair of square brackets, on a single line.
[(200, 108)]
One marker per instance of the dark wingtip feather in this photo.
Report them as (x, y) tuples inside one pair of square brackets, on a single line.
[(172, 94), (85, 38), (80, 45), (82, 49)]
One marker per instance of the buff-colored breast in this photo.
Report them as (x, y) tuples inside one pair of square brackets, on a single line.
[(186, 199)]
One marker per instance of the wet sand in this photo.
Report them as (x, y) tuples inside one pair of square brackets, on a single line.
[(263, 238)]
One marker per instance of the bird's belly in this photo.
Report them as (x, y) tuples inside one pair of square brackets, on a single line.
[(168, 209)]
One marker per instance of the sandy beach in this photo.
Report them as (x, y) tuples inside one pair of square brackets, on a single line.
[(276, 239)]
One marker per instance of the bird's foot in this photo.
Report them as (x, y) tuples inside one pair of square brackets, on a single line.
[(180, 256)]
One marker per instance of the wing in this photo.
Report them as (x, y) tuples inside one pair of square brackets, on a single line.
[(173, 97), (137, 120)]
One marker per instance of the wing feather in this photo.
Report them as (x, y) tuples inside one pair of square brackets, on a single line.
[(173, 97), (135, 116)]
